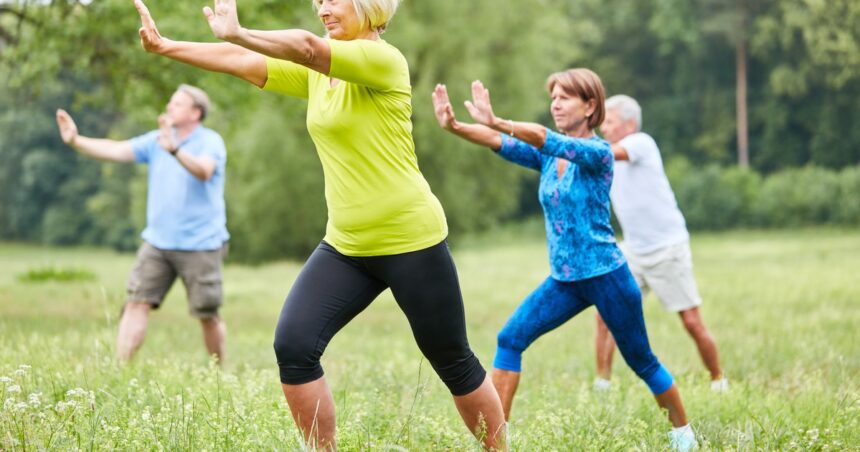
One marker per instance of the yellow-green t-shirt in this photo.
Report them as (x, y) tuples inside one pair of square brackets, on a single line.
[(378, 201)]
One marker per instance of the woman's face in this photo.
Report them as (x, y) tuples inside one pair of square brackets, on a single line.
[(340, 19), (569, 112)]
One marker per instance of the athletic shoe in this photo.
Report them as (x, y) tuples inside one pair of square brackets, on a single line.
[(683, 439), (602, 385), (720, 386)]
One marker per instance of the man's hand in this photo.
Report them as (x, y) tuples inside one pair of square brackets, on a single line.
[(68, 129), (166, 134), (150, 38), (443, 109), (479, 107), (224, 20)]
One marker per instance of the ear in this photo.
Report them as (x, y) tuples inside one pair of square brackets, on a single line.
[(590, 106)]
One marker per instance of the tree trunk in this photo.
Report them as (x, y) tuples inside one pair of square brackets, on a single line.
[(741, 101)]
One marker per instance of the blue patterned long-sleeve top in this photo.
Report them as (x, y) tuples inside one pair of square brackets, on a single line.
[(576, 206)]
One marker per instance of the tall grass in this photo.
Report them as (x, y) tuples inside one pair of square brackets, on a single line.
[(782, 305)]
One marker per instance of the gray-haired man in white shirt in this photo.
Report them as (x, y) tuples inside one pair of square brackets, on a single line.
[(656, 241)]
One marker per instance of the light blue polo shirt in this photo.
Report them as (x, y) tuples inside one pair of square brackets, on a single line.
[(183, 212)]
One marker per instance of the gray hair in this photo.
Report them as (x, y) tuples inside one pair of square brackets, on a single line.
[(198, 97), (376, 14), (627, 108)]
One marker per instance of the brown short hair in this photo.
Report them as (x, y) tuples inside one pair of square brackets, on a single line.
[(584, 84)]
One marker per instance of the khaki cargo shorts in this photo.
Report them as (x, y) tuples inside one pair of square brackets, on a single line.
[(155, 271), (669, 273)]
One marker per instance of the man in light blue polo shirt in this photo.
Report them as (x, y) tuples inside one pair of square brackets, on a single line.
[(186, 223)]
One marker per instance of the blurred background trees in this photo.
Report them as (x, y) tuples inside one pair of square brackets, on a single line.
[(775, 83)]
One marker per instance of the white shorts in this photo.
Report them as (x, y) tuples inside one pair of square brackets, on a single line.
[(669, 273)]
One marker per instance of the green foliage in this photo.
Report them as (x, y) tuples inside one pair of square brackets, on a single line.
[(676, 57), (848, 207), (799, 197), (714, 198), (54, 273), (276, 205)]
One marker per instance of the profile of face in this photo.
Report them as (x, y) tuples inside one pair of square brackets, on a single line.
[(181, 109), (569, 112), (340, 19), (614, 128)]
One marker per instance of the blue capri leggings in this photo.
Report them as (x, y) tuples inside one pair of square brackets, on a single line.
[(619, 302)]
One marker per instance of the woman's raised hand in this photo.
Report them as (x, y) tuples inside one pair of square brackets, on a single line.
[(224, 20), (479, 107), (150, 38), (443, 109)]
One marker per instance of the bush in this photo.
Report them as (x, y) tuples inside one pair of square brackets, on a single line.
[(712, 197), (62, 274), (848, 206), (799, 197)]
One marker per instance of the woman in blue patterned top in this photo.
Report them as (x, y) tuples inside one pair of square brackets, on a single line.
[(587, 267)]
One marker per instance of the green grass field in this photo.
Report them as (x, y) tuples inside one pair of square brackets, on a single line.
[(782, 305)]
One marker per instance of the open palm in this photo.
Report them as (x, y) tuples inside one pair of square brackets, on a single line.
[(479, 107), (224, 19), (150, 38), (68, 129), (443, 109)]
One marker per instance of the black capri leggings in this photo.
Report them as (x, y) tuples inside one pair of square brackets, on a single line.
[(332, 289)]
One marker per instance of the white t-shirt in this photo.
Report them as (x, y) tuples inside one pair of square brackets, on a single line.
[(643, 200)]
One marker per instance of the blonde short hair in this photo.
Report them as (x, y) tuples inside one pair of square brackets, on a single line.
[(584, 84), (198, 97), (376, 14)]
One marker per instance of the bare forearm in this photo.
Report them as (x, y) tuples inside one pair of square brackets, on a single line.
[(219, 57), (104, 149), (478, 134), (200, 167), (529, 132), (299, 46)]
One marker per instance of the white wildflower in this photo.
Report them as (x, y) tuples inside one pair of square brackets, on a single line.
[(13, 389), (4, 379), (35, 399)]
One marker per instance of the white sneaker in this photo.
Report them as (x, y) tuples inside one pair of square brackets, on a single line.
[(683, 439), (720, 386), (602, 385)]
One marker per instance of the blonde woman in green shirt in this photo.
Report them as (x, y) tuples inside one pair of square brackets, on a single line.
[(385, 227)]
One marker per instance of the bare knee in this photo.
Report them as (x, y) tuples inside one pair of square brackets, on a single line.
[(136, 310), (693, 323)]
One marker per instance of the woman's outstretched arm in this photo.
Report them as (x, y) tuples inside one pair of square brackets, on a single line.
[(508, 148), (217, 57), (299, 46), (475, 133), (482, 112)]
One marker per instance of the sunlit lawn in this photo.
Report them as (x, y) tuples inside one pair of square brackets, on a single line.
[(782, 305)]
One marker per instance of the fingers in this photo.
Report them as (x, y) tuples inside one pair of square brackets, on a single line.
[(440, 95), (145, 17), (474, 112), (164, 122), (480, 93), (207, 11), (449, 110)]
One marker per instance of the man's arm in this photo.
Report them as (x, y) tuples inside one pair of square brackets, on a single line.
[(200, 166), (99, 148), (620, 152)]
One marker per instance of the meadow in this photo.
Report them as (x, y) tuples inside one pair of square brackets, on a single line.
[(783, 307)]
